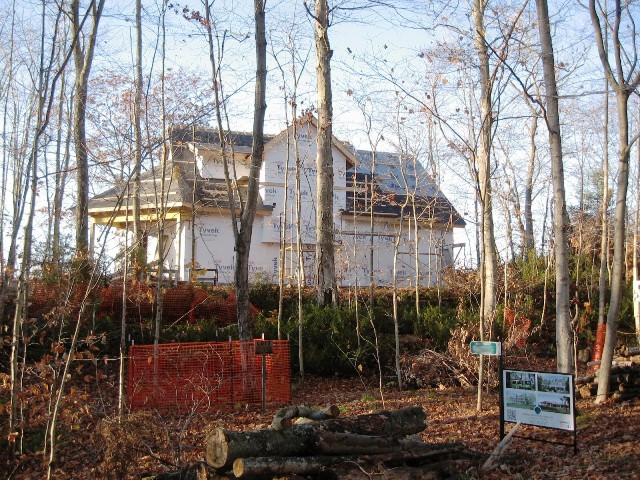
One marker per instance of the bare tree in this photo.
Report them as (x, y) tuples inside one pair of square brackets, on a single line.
[(326, 287), (489, 255), (623, 84), (243, 239), (139, 253), (48, 73), (242, 222), (83, 53), (564, 333)]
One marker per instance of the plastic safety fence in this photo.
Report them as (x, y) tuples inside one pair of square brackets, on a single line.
[(197, 377)]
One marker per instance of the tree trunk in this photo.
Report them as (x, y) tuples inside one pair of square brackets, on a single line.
[(243, 240), (160, 212), (489, 262), (619, 232), (529, 242), (83, 58), (604, 232), (636, 236), (299, 254), (326, 288), (270, 466), (331, 443), (139, 252), (564, 334)]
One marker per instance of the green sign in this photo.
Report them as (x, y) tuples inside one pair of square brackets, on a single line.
[(486, 348)]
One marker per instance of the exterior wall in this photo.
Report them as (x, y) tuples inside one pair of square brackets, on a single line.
[(353, 256), (210, 164), (215, 249), (276, 172)]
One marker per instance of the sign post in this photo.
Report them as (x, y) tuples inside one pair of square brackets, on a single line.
[(488, 348), (264, 347)]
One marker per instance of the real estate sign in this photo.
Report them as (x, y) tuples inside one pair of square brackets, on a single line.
[(542, 399)]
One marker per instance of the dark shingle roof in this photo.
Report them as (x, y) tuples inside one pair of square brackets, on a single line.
[(209, 136), (397, 177), (391, 186)]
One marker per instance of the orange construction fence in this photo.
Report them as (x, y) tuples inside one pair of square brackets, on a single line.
[(199, 376)]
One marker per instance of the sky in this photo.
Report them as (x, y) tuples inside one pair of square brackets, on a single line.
[(370, 47)]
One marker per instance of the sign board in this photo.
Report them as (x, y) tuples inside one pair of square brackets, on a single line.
[(542, 399), (486, 348), (263, 347)]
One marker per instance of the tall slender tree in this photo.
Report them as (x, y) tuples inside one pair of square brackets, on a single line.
[(243, 239), (624, 78), (489, 253), (564, 333), (83, 53), (242, 222), (139, 251), (326, 287)]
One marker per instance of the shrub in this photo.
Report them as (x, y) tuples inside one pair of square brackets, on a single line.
[(434, 324)]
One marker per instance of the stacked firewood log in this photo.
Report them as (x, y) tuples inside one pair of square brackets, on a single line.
[(624, 380), (321, 446)]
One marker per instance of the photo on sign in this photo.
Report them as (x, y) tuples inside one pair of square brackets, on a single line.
[(521, 400), (554, 403), (521, 380), (549, 382)]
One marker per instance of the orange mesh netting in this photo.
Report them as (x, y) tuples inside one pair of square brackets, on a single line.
[(140, 300), (200, 376), (190, 303), (184, 303), (63, 297), (598, 346)]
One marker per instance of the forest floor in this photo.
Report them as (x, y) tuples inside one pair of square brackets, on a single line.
[(94, 445)]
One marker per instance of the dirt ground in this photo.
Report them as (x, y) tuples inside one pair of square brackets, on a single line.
[(607, 435), (94, 445)]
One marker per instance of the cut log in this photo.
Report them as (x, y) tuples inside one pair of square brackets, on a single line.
[(285, 465), (400, 423), (585, 380), (616, 379), (224, 446), (286, 417), (332, 443), (434, 456), (422, 454)]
